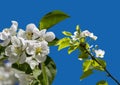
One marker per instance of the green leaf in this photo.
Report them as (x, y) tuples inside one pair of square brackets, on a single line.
[(63, 43), (83, 55), (48, 72), (44, 72), (54, 42), (78, 29), (102, 82), (86, 74), (72, 48), (67, 33), (87, 65), (36, 72), (23, 67), (97, 66), (52, 18)]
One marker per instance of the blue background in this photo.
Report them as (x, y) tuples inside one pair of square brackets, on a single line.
[(99, 16)]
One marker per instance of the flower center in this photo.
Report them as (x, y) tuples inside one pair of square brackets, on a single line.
[(29, 35), (17, 50), (38, 51)]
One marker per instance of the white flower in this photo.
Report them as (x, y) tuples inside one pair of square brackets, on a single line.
[(16, 51), (86, 33), (4, 38), (47, 36), (6, 34), (38, 50), (93, 36), (99, 53), (32, 62), (31, 32)]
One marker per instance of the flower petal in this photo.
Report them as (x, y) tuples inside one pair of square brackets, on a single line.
[(49, 36)]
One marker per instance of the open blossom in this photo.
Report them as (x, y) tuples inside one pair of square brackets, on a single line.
[(83, 34), (99, 53), (47, 36), (38, 50), (6, 34), (32, 33), (86, 33), (16, 52), (32, 62)]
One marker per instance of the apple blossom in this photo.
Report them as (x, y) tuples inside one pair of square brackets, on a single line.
[(86, 33), (6, 34), (39, 50), (99, 53), (32, 62), (16, 52)]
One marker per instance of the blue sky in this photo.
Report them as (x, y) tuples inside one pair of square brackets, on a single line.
[(99, 16)]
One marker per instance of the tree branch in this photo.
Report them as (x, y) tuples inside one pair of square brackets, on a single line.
[(108, 73)]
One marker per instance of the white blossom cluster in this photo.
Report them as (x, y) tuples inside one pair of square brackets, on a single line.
[(78, 35), (83, 34), (29, 46)]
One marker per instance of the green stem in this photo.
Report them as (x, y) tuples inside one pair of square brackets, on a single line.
[(45, 78), (108, 73)]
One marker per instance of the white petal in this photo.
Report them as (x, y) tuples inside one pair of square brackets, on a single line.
[(30, 49), (13, 59), (49, 36), (30, 27), (23, 43), (3, 36), (22, 58), (8, 51), (15, 41), (42, 34), (36, 33), (31, 62), (5, 42), (21, 33), (13, 28), (40, 58)]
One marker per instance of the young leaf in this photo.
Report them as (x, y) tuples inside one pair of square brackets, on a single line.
[(36, 73), (86, 74), (83, 55), (72, 48), (67, 33), (87, 65), (63, 43), (97, 66), (102, 82), (52, 18), (78, 29)]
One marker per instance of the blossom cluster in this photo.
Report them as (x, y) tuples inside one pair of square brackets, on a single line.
[(30, 46), (78, 35)]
